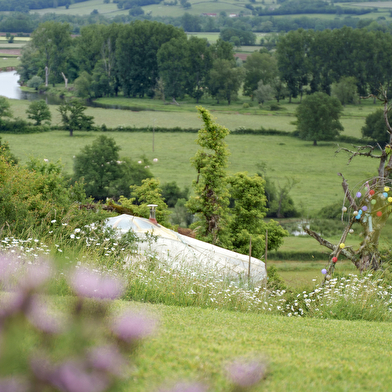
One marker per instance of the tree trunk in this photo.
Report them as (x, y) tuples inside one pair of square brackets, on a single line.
[(71, 132), (315, 142)]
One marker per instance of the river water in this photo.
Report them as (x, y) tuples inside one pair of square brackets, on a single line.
[(10, 88)]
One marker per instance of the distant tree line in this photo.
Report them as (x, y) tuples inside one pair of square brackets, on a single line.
[(290, 7), (312, 61), (24, 22), (26, 5), (140, 59)]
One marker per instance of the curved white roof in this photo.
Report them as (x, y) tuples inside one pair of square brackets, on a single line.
[(177, 248)]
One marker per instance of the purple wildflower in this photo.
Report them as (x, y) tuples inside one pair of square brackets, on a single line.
[(34, 276), (131, 326), (72, 376), (38, 315), (41, 367), (12, 384), (246, 373), (92, 285), (107, 359), (186, 387)]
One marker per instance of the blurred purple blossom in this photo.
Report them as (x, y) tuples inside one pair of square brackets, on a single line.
[(186, 387), (246, 373), (38, 315), (90, 284), (107, 359), (12, 384), (35, 275), (72, 376), (132, 326), (41, 367)]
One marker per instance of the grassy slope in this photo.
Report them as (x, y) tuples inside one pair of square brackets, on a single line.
[(304, 354)]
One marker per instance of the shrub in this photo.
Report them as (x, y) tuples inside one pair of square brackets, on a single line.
[(35, 82), (245, 105)]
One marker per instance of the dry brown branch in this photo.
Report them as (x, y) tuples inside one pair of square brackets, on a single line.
[(359, 152), (347, 193)]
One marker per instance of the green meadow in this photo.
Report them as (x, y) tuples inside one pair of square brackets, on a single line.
[(303, 354)]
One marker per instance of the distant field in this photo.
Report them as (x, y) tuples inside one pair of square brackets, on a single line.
[(376, 4), (286, 157), (8, 61)]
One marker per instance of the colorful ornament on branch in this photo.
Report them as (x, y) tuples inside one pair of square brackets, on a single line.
[(344, 209), (371, 193), (373, 202), (364, 208), (385, 194), (386, 189), (341, 246), (355, 212), (351, 231), (324, 271), (379, 213), (359, 194), (334, 259), (390, 199)]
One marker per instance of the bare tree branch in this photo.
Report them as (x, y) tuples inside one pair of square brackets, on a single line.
[(347, 193), (359, 152)]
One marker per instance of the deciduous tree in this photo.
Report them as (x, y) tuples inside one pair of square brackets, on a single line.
[(318, 118), (73, 117), (39, 111)]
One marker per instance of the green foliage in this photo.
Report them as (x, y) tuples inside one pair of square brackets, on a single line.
[(82, 85), (39, 111), (35, 82), (73, 117), (247, 217), (259, 67), (53, 41), (6, 153), (346, 91), (225, 80), (318, 117), (19, 126), (32, 196), (181, 216), (275, 282), (102, 171), (264, 92), (148, 192), (171, 192), (5, 108), (375, 127), (211, 200)]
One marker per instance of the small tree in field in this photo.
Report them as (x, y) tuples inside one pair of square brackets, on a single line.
[(318, 118), (73, 117), (5, 106), (370, 205), (39, 111), (211, 200)]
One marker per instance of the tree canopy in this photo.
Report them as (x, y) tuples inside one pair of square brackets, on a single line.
[(318, 117)]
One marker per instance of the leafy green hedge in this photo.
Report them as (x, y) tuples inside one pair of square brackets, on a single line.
[(298, 256), (19, 126)]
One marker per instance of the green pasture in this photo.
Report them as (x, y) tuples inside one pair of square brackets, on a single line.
[(303, 354), (315, 168), (8, 61)]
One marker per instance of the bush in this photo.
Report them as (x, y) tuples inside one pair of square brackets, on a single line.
[(35, 82), (275, 107), (245, 105)]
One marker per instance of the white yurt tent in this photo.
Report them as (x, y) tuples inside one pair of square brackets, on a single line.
[(179, 249)]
